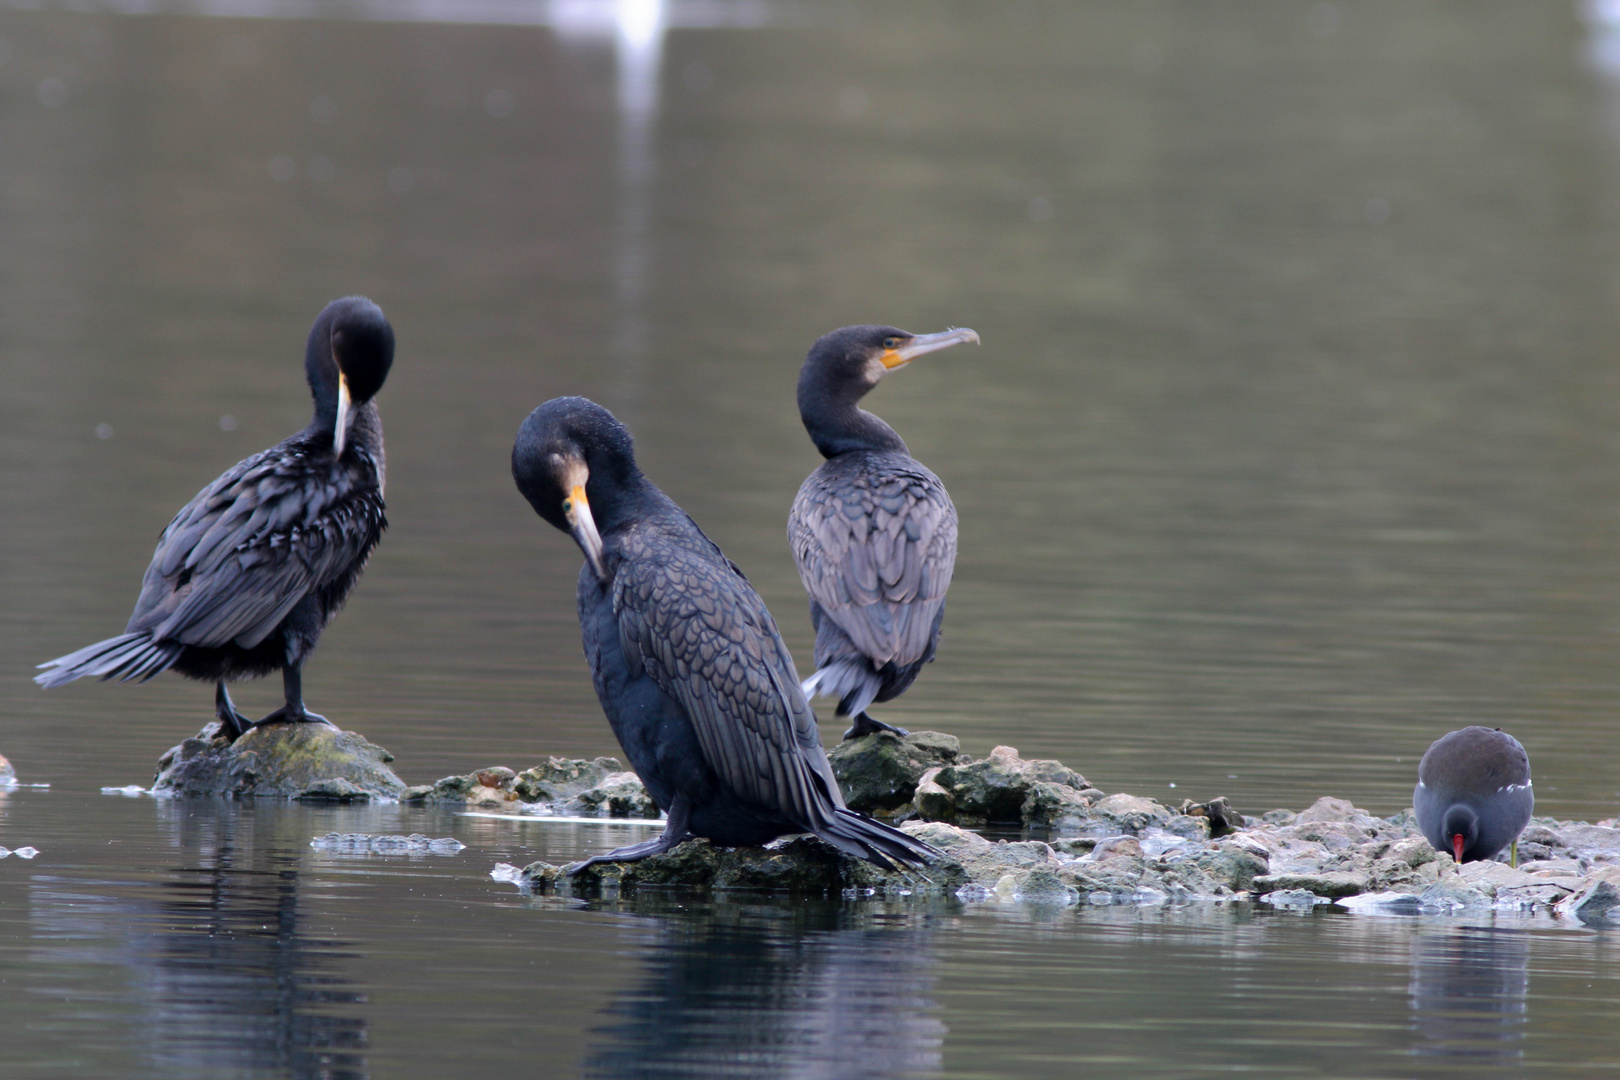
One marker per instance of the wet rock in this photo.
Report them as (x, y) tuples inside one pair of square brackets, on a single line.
[(1117, 847), (804, 866), (994, 790), (556, 780), (1327, 808), (1130, 813), (619, 795), (580, 787), (1491, 877), (1450, 893), (8, 775), (1191, 827), (1538, 842), (1595, 843), (1301, 899), (1331, 884), (934, 801), (878, 773), (1233, 865), (1038, 885), (1595, 903), (1057, 807), (283, 761)]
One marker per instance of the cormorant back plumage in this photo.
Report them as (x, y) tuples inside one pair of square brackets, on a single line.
[(873, 531)]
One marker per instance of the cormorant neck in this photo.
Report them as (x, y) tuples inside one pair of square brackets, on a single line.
[(836, 424), (628, 497)]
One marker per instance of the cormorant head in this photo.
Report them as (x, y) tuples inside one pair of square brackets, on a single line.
[(850, 361), (569, 453), (351, 348), (1460, 827), (842, 366)]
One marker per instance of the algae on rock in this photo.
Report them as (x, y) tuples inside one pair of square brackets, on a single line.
[(803, 866), (283, 761)]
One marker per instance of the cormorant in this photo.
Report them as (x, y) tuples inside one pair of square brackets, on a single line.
[(249, 572), (1473, 796), (688, 664), (872, 529)]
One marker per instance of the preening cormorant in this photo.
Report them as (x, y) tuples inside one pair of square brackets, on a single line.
[(249, 572), (689, 666), (873, 531), (1474, 796)]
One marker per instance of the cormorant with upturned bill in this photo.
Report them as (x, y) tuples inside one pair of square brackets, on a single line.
[(1474, 795), (251, 570), (872, 530), (688, 664)]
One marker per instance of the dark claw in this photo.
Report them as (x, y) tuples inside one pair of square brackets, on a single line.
[(284, 715), (865, 725)]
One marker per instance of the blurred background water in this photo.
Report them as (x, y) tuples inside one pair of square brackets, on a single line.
[(1291, 445)]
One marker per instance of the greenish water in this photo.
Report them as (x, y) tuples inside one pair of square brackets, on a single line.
[(1291, 445)]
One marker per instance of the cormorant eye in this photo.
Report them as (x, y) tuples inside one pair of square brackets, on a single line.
[(891, 343)]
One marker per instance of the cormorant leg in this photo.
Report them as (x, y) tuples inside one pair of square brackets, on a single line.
[(675, 831), (234, 723), (865, 725), (292, 686)]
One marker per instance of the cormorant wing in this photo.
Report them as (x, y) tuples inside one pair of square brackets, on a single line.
[(875, 548), (255, 542), (702, 633)]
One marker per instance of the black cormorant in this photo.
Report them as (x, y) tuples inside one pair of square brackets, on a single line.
[(689, 666), (248, 574), (873, 531), (1473, 796)]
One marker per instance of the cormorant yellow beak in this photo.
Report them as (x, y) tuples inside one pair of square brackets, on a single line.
[(583, 527), (340, 434), (926, 343)]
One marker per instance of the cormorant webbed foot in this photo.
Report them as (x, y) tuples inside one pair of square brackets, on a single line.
[(865, 725), (675, 833), (288, 714)]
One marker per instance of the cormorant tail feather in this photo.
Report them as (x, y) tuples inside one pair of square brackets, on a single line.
[(125, 657)]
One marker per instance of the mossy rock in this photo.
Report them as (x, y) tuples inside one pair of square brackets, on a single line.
[(878, 773), (279, 761), (804, 866)]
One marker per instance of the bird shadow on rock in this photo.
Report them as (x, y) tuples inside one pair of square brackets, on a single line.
[(280, 761)]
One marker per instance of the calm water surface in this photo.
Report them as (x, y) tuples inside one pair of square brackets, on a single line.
[(1294, 442)]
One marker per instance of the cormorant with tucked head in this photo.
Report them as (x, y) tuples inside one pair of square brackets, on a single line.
[(873, 531), (688, 664), (248, 574)]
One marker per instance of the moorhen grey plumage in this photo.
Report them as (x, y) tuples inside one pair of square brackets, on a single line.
[(1473, 795)]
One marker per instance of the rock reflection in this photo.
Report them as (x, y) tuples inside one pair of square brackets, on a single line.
[(226, 981), (1468, 993), (738, 991)]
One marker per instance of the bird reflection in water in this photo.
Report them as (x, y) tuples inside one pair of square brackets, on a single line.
[(1468, 991), (230, 983), (739, 991)]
